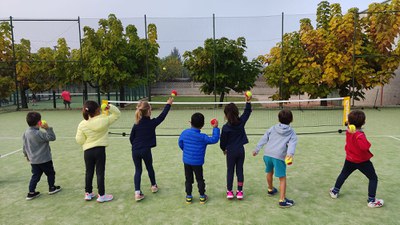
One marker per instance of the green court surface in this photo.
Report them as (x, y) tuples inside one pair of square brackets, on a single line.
[(318, 161)]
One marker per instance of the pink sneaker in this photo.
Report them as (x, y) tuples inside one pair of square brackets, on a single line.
[(104, 198), (89, 196), (239, 195), (229, 194)]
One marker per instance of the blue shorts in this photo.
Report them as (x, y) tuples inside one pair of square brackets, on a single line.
[(275, 164)]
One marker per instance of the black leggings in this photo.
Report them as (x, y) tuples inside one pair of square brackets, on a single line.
[(95, 158), (367, 168), (235, 159), (137, 156)]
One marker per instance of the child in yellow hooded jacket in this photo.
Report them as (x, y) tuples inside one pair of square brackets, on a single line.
[(92, 134)]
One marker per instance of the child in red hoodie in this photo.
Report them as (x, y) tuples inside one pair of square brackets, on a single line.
[(358, 157)]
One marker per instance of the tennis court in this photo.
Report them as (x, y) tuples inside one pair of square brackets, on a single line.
[(318, 161)]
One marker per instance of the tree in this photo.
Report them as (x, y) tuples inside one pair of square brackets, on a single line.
[(171, 67), (233, 70), (7, 83), (322, 58), (114, 59)]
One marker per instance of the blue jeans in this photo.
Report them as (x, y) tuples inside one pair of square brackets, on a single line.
[(37, 171), (367, 168)]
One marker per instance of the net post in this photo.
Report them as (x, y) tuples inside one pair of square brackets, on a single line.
[(346, 109)]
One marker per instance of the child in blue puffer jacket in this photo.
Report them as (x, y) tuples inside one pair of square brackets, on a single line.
[(193, 144)]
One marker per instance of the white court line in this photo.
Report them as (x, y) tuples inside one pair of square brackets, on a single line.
[(2, 156), (395, 138)]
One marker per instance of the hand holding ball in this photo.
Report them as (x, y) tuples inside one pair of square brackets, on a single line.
[(248, 95), (42, 123), (352, 128), (213, 122), (104, 107), (288, 160), (174, 93)]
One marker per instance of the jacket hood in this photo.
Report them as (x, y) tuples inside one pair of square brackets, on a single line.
[(283, 129)]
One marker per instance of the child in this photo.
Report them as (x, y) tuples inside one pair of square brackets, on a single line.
[(92, 134), (358, 157), (193, 144), (280, 142), (37, 150), (233, 137), (143, 138)]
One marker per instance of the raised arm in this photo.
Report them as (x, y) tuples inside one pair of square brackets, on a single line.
[(164, 113), (114, 114)]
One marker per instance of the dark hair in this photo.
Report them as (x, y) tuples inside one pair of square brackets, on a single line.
[(285, 116), (232, 113), (357, 118), (89, 109), (197, 120), (32, 118)]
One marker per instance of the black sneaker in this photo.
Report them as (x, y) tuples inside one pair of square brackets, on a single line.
[(54, 190), (273, 192), (203, 199), (189, 199), (286, 203), (33, 195)]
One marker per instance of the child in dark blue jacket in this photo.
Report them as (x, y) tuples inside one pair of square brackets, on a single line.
[(233, 137), (143, 138), (193, 144)]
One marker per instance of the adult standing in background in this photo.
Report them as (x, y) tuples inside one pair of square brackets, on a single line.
[(66, 96)]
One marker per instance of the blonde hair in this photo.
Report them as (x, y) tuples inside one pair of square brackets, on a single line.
[(142, 109)]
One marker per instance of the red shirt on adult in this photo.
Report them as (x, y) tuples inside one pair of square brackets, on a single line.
[(357, 147), (66, 96)]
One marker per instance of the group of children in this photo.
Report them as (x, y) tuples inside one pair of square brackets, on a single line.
[(279, 143)]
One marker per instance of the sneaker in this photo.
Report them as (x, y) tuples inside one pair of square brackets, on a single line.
[(333, 194), (189, 199), (54, 190), (229, 194), (139, 196), (104, 198), (154, 188), (203, 199), (376, 204), (286, 203), (239, 195), (273, 192), (89, 196), (33, 195)]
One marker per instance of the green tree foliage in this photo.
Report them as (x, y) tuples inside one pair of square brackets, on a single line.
[(319, 61), (233, 70), (114, 59), (7, 84), (171, 67)]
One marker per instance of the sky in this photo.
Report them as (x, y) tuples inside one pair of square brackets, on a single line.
[(183, 24), (163, 8)]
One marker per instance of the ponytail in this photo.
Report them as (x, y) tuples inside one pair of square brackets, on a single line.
[(232, 114), (142, 109), (89, 109)]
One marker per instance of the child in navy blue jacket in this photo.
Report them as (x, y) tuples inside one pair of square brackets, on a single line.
[(233, 137), (193, 144), (143, 138)]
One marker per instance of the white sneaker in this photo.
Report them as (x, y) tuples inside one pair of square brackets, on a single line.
[(376, 204), (104, 198), (154, 188), (332, 194), (89, 196)]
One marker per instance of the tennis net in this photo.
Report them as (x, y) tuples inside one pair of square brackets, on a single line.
[(309, 116)]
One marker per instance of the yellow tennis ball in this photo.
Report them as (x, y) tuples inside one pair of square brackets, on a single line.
[(352, 128), (103, 106), (288, 161), (248, 94), (173, 94), (44, 122)]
